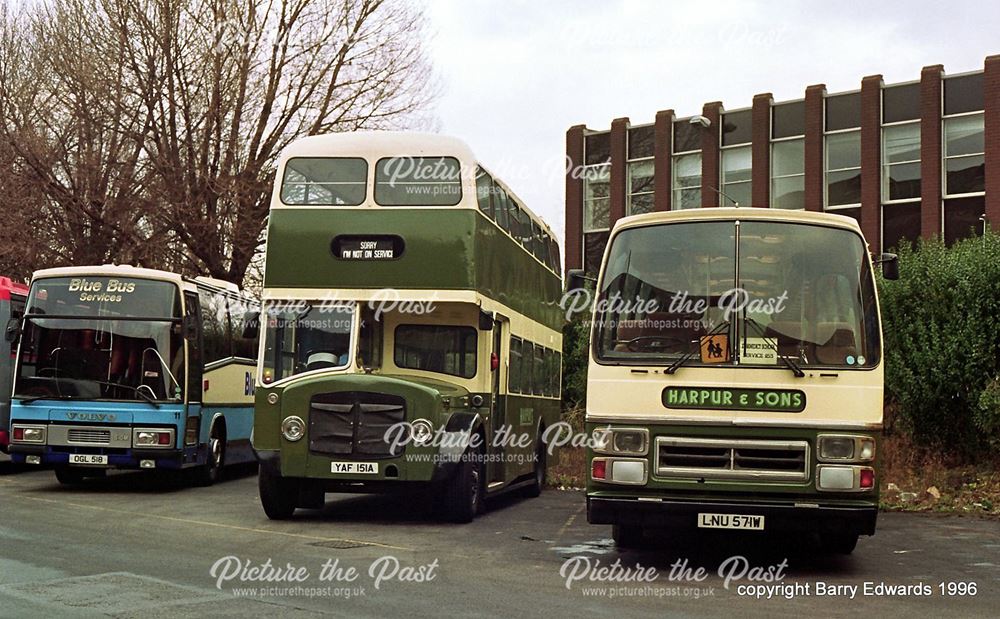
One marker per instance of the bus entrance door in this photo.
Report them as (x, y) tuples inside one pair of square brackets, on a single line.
[(497, 403)]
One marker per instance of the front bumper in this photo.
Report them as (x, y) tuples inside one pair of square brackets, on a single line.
[(778, 516), (120, 459)]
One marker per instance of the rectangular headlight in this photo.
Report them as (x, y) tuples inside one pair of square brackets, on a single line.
[(28, 434), (845, 448), (629, 441), (153, 437)]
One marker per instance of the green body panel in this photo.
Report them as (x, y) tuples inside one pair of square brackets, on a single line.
[(422, 402), (751, 491), (445, 249), (426, 398)]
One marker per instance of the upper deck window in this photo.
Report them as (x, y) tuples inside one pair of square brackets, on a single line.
[(325, 181), (418, 181)]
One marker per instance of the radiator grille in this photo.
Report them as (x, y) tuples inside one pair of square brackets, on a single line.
[(354, 423), (732, 458), (89, 435)]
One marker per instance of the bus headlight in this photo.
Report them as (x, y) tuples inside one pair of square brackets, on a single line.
[(28, 434), (293, 428), (152, 437), (621, 441), (836, 447), (422, 431), (845, 448), (629, 441)]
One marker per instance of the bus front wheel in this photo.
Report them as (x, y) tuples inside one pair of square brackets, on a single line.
[(209, 473), (840, 543), (538, 483), (626, 536), (278, 495), (69, 476), (464, 492)]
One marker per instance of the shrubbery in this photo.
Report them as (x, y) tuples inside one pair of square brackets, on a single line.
[(941, 324)]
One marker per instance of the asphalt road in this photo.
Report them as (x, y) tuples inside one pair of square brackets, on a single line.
[(136, 545)]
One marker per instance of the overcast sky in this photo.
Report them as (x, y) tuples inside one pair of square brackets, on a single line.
[(517, 74)]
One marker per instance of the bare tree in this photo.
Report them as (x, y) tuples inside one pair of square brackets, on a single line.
[(147, 130), (226, 84), (78, 175)]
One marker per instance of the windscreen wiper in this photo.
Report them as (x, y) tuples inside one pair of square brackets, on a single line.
[(139, 392), (673, 367), (34, 398), (773, 344)]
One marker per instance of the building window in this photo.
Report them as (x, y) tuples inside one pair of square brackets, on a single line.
[(901, 103), (900, 224), (963, 218), (788, 120), (736, 179), (901, 162), (964, 166), (597, 182), (593, 250), (843, 111), (788, 174), (597, 198), (736, 127), (640, 187), (843, 169), (963, 93), (687, 181), (639, 192)]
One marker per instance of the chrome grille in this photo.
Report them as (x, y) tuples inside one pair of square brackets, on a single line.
[(732, 458), (89, 435)]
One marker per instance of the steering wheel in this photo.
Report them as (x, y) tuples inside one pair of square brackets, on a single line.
[(319, 364)]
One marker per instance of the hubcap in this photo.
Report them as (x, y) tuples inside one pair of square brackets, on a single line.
[(216, 451), (475, 486)]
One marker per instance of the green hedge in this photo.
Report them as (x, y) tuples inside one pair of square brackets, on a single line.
[(941, 324)]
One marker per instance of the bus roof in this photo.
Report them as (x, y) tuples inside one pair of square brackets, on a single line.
[(125, 270), (745, 213), (375, 145)]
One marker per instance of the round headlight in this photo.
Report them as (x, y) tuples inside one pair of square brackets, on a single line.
[(272, 398), (422, 431), (293, 428)]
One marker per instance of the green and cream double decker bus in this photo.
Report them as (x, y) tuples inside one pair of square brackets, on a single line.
[(410, 326), (735, 376)]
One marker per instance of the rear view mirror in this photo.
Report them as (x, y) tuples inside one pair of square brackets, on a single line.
[(13, 330), (890, 265), (190, 327), (251, 328), (576, 278)]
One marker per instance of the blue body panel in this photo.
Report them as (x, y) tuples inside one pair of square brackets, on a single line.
[(238, 423)]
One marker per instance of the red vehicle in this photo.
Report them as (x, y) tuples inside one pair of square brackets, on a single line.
[(12, 298)]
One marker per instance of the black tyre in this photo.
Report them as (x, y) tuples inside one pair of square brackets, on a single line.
[(463, 493), (278, 495), (209, 473), (541, 466), (840, 543), (626, 535), (69, 476)]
